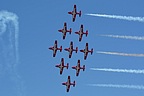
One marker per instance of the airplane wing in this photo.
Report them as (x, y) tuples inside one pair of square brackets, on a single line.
[(68, 87), (74, 17), (69, 80), (81, 28), (86, 47), (78, 65), (69, 83), (64, 32), (71, 45), (64, 35), (86, 53), (75, 8), (61, 70), (80, 37), (55, 45), (62, 63), (54, 53), (70, 54), (65, 26), (77, 72)]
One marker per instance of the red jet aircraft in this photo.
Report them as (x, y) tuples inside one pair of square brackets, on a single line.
[(64, 30), (70, 49), (86, 51), (68, 84), (55, 48), (74, 13), (78, 67), (61, 65), (81, 32)]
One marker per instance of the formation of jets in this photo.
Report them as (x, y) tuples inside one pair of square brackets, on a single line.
[(54, 48)]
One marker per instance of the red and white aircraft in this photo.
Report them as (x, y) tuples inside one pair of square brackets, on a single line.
[(78, 67), (70, 49), (68, 84), (86, 51), (74, 13), (55, 48), (81, 32), (61, 65), (64, 30)]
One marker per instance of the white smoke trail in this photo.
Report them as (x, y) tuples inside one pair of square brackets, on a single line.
[(6, 17), (121, 54), (125, 37), (119, 70), (9, 55), (140, 87), (129, 18)]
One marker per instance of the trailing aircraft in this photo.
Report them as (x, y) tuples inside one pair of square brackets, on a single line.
[(68, 84)]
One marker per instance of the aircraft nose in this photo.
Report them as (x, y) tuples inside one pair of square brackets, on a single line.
[(69, 12), (56, 65), (73, 67), (65, 49), (63, 83)]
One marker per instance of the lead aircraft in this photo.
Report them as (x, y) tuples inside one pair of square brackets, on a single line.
[(55, 48), (68, 84), (74, 13)]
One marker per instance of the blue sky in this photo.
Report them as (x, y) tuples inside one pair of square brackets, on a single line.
[(39, 21)]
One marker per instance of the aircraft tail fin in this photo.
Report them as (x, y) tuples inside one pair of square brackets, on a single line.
[(86, 33), (70, 30), (67, 65), (60, 48), (80, 14), (83, 67), (76, 49), (91, 51), (74, 84)]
